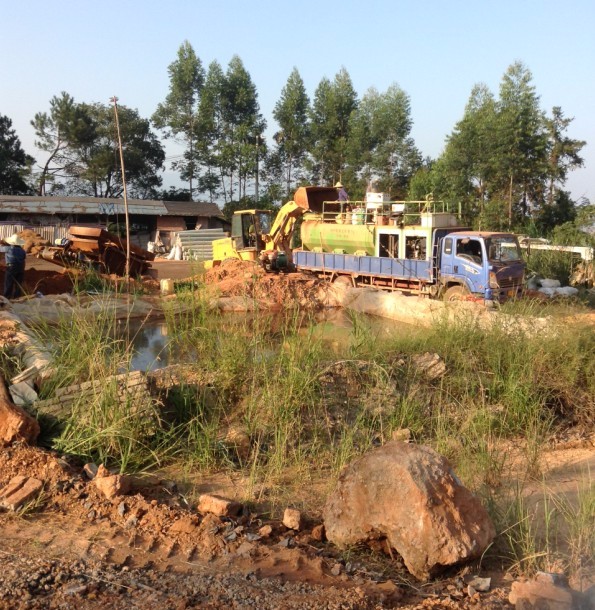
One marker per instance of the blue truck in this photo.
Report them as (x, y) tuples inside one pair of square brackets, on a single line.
[(415, 247)]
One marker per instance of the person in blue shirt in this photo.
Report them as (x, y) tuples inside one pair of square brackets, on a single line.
[(15, 267), (341, 192)]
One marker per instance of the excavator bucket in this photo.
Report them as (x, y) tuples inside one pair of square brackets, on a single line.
[(312, 197)]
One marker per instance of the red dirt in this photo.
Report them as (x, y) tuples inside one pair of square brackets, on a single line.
[(46, 282), (247, 279)]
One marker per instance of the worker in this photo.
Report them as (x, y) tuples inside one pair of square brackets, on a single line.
[(15, 267), (341, 192)]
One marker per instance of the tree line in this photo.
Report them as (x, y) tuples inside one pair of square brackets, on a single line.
[(505, 163)]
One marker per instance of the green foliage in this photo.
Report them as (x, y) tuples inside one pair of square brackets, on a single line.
[(291, 113), (330, 125), (178, 114), (15, 164), (506, 161), (66, 128), (82, 142), (380, 147)]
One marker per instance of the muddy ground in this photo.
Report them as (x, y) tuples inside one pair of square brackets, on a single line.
[(74, 549)]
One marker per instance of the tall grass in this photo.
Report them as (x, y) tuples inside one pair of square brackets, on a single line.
[(267, 397)]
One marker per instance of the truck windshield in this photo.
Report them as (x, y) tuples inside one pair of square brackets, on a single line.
[(503, 249)]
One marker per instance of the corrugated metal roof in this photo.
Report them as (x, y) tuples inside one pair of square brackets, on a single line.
[(21, 204), (192, 208)]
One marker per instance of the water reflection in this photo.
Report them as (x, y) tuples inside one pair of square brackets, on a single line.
[(153, 348)]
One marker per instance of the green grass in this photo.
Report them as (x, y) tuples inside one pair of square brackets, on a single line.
[(276, 405)]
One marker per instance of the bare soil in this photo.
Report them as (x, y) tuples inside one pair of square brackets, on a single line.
[(75, 549), (249, 280)]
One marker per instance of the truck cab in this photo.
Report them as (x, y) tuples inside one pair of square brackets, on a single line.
[(480, 263)]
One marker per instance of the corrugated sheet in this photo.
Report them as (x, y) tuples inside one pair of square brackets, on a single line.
[(20, 204), (49, 233), (78, 205), (192, 208)]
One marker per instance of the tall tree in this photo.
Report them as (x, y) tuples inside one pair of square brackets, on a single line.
[(178, 114), (563, 152), (15, 164), (209, 131), (291, 113), (467, 165), (381, 147), (330, 119), (522, 140), (240, 129), (95, 168), (67, 124)]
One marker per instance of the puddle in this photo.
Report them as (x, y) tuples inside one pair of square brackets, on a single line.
[(153, 348)]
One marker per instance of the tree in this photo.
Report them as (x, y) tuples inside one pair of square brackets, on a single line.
[(209, 131), (66, 126), (291, 113), (521, 159), (563, 152), (330, 119), (179, 113), (95, 168), (467, 165), (232, 127), (380, 144), (15, 164)]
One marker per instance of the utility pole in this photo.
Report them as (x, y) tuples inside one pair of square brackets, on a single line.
[(258, 140), (127, 271)]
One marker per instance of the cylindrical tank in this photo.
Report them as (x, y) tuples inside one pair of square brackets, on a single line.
[(332, 237)]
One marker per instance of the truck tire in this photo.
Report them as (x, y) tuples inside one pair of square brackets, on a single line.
[(456, 293)]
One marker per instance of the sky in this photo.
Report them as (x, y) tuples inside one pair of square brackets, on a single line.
[(436, 51)]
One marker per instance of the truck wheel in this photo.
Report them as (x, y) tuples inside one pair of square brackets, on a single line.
[(456, 293)]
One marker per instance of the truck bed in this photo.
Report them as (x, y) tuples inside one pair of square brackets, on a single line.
[(373, 266)]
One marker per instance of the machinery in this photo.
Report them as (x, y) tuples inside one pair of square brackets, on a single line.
[(414, 246), (256, 236), (95, 247)]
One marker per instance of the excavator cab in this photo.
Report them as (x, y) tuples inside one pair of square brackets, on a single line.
[(248, 227)]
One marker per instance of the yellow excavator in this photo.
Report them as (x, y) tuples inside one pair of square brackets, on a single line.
[(255, 236)]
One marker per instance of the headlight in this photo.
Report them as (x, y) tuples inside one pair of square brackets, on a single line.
[(493, 281)]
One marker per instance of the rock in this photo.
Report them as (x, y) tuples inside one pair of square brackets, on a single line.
[(479, 584), (292, 519), (102, 471), (19, 491), (318, 533), (410, 495), (402, 434), (431, 365), (265, 531), (23, 394), (545, 594), (91, 470), (217, 505), (15, 423), (113, 485)]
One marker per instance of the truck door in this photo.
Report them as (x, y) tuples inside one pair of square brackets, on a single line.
[(469, 262), (446, 256)]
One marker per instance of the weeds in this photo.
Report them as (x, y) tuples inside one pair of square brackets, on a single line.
[(283, 409)]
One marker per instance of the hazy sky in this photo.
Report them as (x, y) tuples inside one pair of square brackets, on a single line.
[(435, 51)]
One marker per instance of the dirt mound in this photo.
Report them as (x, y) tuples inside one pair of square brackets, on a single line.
[(46, 282), (248, 279), (34, 243)]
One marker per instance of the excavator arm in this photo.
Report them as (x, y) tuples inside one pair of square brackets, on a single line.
[(279, 238)]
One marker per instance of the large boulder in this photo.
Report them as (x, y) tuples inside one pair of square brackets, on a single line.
[(409, 495)]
